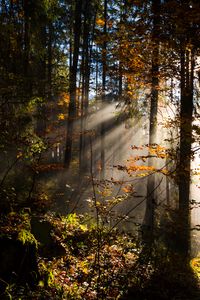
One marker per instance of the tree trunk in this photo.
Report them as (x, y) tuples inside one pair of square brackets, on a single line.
[(49, 68), (104, 61), (26, 65), (72, 84), (149, 219), (184, 173), (85, 86)]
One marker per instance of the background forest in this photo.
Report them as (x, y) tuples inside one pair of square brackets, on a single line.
[(99, 149)]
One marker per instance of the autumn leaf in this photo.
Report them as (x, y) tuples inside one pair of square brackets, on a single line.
[(19, 154), (164, 171), (128, 189), (100, 22), (61, 117), (63, 99)]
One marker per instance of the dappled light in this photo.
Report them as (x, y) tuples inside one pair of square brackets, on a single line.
[(100, 150)]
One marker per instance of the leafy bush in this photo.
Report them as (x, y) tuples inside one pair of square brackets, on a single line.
[(96, 264)]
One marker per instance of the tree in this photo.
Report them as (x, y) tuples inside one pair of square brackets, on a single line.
[(104, 72), (89, 12), (187, 64), (72, 81), (149, 219), (182, 25)]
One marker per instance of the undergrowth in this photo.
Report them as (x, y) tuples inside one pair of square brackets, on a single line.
[(99, 263)]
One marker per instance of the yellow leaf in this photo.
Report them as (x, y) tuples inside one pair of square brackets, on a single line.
[(19, 154), (41, 283), (128, 189), (61, 117), (100, 22), (63, 99)]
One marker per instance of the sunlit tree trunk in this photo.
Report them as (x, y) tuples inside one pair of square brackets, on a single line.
[(184, 173), (96, 74), (169, 203)]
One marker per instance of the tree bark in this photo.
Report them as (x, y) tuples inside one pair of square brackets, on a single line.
[(26, 65), (184, 173), (49, 68), (85, 85), (72, 84), (149, 218), (104, 70)]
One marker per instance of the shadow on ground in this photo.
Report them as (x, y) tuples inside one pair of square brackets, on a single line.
[(170, 280)]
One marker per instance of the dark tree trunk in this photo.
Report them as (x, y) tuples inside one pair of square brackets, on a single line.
[(85, 85), (97, 73), (49, 68), (120, 81), (184, 173), (149, 218), (88, 36), (41, 70), (72, 84), (104, 71), (26, 65)]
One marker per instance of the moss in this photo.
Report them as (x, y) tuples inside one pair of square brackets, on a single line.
[(26, 237)]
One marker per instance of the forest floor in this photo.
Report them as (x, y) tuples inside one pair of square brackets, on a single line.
[(83, 242)]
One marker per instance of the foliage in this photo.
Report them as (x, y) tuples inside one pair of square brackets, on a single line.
[(137, 165), (26, 236), (56, 55), (91, 267), (112, 267), (195, 265), (17, 226)]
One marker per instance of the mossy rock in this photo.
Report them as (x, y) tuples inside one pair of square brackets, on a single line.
[(47, 246)]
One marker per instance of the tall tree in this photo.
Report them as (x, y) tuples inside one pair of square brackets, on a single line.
[(182, 33), (149, 219), (104, 72), (73, 81), (89, 12), (184, 173), (188, 38)]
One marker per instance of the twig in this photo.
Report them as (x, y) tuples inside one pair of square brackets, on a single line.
[(133, 208), (8, 170)]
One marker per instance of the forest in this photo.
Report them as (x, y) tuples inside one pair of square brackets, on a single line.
[(100, 149)]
